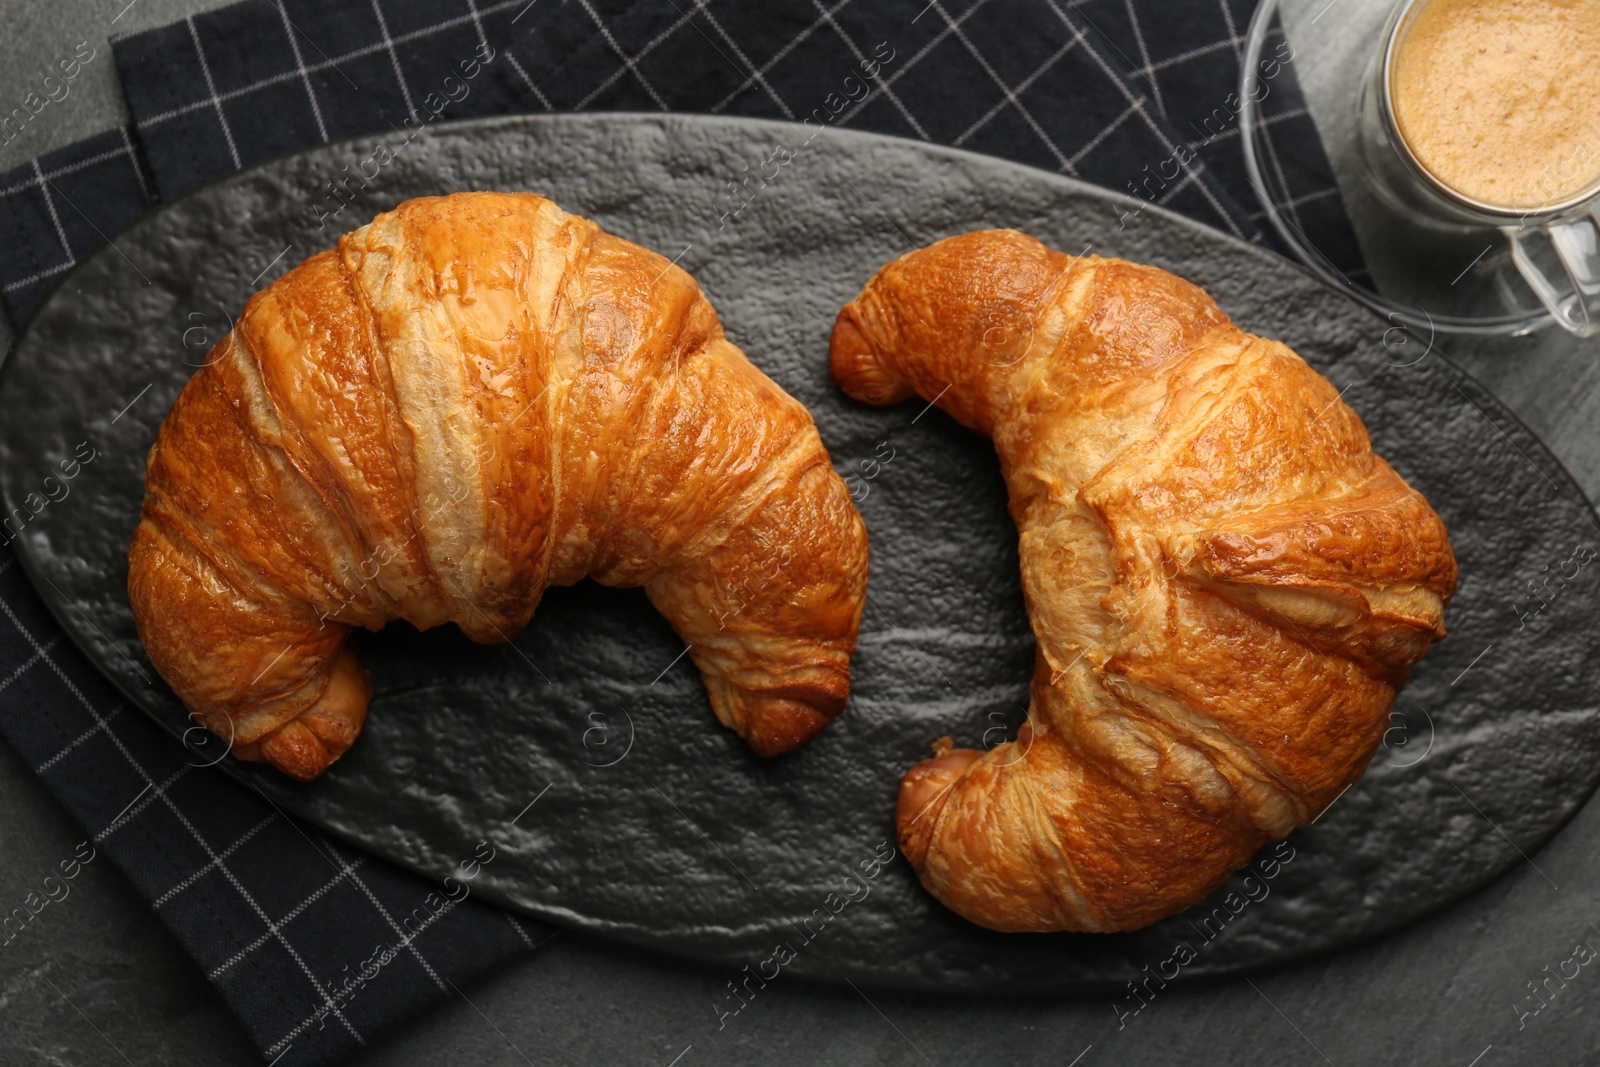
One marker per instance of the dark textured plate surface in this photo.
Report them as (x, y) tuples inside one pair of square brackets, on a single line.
[(651, 824)]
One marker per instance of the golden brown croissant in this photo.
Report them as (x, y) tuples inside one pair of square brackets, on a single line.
[(1227, 587), (469, 400)]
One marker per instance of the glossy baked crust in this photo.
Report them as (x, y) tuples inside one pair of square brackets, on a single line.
[(469, 400), (1226, 585)]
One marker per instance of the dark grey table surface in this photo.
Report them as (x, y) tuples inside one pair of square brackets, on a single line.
[(100, 980)]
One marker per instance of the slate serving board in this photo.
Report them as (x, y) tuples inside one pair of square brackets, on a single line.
[(585, 752)]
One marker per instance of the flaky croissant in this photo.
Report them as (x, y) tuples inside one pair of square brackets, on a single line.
[(1227, 587), (469, 400)]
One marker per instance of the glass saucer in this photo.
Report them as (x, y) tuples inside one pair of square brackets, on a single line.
[(1417, 274)]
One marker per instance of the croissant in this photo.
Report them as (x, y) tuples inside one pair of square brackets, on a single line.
[(1226, 586), (469, 400)]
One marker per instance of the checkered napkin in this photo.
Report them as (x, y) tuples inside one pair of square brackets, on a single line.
[(307, 940)]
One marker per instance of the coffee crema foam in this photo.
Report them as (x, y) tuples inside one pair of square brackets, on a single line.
[(1500, 99)]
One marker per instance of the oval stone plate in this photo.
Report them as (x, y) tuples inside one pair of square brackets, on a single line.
[(585, 752)]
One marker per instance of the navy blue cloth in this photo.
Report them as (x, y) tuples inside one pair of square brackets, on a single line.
[(62, 205), (316, 947)]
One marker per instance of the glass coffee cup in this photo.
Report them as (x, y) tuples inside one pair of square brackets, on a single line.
[(1473, 120)]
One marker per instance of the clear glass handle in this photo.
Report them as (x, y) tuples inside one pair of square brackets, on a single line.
[(1561, 263)]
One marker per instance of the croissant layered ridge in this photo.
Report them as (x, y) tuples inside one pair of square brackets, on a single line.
[(469, 400), (1226, 585)]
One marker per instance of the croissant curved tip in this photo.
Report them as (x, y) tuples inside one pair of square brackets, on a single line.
[(307, 745), (297, 752), (776, 725), (857, 368), (922, 793)]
